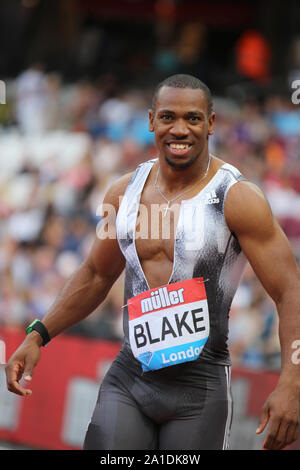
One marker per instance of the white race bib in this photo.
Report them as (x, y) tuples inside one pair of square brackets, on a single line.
[(169, 325)]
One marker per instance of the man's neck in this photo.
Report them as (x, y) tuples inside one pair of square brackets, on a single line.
[(172, 178)]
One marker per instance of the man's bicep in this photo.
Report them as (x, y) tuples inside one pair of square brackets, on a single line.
[(262, 240), (106, 258)]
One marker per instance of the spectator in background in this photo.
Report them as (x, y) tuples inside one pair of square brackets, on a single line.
[(253, 56), (31, 110)]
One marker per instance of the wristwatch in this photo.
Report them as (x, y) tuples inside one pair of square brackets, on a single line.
[(38, 326)]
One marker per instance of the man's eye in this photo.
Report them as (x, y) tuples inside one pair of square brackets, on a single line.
[(166, 117), (194, 118)]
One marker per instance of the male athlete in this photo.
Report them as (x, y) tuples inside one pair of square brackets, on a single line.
[(186, 222)]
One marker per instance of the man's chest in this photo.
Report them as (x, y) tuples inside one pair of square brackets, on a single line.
[(155, 227)]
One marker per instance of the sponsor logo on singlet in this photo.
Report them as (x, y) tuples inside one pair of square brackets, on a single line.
[(169, 325), (211, 197)]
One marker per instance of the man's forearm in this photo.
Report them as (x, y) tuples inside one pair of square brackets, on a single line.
[(80, 296), (289, 332)]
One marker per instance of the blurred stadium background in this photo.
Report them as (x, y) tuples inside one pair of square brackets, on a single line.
[(79, 75)]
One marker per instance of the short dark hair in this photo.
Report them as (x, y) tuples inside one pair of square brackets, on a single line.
[(184, 81)]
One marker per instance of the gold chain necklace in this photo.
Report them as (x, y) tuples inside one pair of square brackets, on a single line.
[(180, 194)]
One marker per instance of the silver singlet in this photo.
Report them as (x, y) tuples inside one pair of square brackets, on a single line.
[(204, 247)]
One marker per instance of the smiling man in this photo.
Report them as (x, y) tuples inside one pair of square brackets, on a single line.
[(169, 387)]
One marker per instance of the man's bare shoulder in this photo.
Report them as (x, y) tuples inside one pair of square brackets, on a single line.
[(246, 208), (117, 190), (216, 163)]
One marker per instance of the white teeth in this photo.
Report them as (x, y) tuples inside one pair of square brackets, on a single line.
[(179, 146)]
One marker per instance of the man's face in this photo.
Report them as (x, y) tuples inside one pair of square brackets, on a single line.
[(181, 124)]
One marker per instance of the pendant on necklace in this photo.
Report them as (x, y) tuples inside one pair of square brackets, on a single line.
[(166, 209)]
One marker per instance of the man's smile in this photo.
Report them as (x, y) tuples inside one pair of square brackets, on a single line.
[(178, 148)]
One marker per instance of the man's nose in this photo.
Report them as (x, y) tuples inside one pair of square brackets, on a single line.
[(179, 128)]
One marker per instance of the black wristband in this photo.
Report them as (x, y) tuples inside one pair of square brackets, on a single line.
[(38, 326)]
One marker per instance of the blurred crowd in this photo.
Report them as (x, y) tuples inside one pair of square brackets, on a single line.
[(61, 145)]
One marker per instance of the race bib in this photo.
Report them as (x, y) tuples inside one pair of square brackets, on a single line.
[(169, 325)]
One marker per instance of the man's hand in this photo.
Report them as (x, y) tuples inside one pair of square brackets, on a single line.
[(22, 363), (282, 412)]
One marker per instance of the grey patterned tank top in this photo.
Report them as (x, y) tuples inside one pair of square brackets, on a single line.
[(204, 247)]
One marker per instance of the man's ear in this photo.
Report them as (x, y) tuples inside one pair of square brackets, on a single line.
[(151, 120), (211, 121)]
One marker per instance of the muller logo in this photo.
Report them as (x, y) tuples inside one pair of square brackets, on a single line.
[(162, 298)]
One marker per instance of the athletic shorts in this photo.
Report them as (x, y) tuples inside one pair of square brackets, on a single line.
[(183, 407)]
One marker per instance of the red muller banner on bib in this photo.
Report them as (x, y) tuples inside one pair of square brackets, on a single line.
[(164, 297)]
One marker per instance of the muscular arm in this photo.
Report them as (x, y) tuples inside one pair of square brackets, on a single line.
[(91, 283), (84, 291), (87, 288), (248, 215)]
